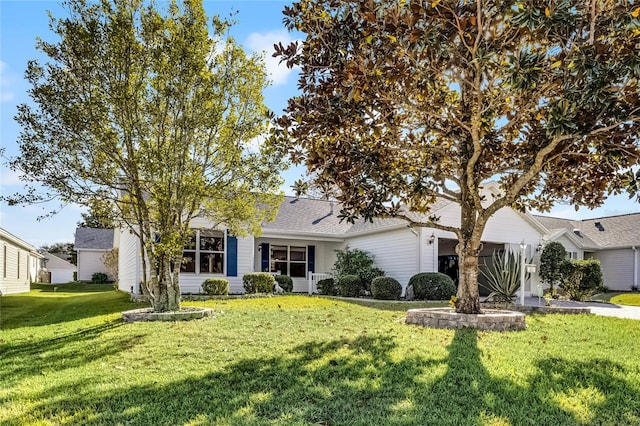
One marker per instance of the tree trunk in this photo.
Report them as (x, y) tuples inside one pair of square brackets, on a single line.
[(165, 285), (468, 297)]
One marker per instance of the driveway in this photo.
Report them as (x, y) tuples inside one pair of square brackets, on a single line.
[(603, 309), (611, 310)]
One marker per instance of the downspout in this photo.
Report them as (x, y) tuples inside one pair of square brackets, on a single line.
[(635, 266), (414, 232)]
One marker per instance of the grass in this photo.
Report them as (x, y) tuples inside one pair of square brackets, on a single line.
[(628, 299), (67, 358)]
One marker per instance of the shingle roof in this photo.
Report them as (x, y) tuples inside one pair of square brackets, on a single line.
[(613, 231), (93, 238), (309, 216), (314, 216), (617, 231), (55, 262)]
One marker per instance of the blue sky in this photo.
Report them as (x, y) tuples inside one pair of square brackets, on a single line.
[(259, 27)]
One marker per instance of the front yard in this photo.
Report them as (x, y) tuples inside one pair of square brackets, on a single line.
[(628, 299), (67, 358)]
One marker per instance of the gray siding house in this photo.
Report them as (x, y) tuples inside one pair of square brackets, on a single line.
[(19, 264), (91, 244), (613, 240)]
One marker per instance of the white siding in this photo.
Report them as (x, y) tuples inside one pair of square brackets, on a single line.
[(61, 270), (617, 268), (506, 227), (129, 262), (61, 276), (16, 279), (570, 247), (428, 252), (396, 252), (192, 282), (90, 262)]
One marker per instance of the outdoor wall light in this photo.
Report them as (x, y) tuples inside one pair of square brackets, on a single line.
[(432, 238)]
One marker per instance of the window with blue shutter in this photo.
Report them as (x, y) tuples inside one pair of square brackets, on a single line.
[(232, 256), (311, 261), (264, 264)]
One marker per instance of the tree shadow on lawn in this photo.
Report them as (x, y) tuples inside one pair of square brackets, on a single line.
[(33, 310), (52, 356), (549, 396), (358, 381), (391, 305)]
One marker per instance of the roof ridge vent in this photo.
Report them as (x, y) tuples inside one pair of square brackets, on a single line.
[(599, 226)]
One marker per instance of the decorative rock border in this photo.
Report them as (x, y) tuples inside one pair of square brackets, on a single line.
[(490, 319), (185, 314)]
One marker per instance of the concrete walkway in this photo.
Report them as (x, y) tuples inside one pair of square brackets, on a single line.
[(603, 309)]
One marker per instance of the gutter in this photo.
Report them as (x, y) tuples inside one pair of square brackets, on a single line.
[(300, 235)]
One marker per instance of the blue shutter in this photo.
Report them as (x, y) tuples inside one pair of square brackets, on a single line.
[(264, 265), (232, 256), (311, 261)]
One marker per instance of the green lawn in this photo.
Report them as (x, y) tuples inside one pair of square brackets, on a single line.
[(67, 358), (629, 299)]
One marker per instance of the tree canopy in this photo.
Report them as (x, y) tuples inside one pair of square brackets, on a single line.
[(406, 101), (101, 215), (155, 111)]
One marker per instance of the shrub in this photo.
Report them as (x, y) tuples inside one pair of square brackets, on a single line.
[(258, 282), (502, 276), (285, 282), (582, 278), (350, 285), (99, 278), (386, 288), (328, 287), (552, 264), (356, 262), (432, 286), (216, 286)]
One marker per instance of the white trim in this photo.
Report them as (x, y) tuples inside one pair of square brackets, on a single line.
[(300, 235)]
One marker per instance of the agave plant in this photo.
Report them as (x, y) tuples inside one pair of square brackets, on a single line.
[(502, 275)]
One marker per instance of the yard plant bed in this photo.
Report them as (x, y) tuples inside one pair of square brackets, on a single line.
[(68, 358), (489, 319), (185, 314)]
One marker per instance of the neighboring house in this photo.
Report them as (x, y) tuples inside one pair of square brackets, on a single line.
[(91, 244), (19, 264), (306, 233), (57, 269), (613, 240)]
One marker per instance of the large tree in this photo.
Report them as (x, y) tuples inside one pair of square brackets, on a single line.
[(155, 111), (101, 214), (404, 101)]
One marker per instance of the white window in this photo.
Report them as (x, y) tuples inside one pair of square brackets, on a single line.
[(204, 254), (289, 260)]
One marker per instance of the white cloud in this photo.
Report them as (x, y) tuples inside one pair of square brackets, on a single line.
[(263, 43), (6, 95)]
